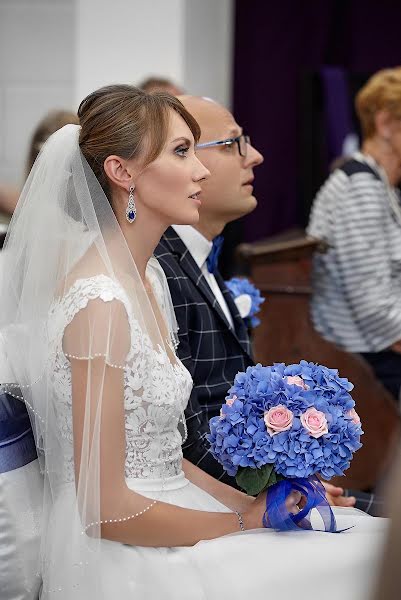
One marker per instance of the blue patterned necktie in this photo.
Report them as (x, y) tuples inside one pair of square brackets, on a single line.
[(214, 254)]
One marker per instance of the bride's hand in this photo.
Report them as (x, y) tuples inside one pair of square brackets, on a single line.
[(253, 518)]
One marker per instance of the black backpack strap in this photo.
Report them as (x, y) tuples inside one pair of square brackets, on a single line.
[(353, 166)]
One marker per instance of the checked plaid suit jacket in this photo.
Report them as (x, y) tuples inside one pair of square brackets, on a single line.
[(213, 353), (209, 348)]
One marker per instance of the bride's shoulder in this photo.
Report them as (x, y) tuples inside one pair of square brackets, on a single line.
[(88, 280), (90, 289), (93, 317), (95, 299), (100, 286)]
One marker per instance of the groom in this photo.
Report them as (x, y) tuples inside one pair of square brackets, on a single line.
[(214, 343)]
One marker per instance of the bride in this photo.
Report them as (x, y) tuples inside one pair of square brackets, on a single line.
[(91, 335)]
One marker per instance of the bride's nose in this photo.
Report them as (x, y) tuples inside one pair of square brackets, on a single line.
[(201, 172)]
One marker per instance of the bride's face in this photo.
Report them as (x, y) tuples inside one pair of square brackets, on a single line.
[(170, 185)]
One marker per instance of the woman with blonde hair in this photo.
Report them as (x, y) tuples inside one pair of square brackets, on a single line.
[(357, 282)]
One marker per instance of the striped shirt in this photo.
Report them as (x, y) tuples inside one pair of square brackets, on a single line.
[(357, 282)]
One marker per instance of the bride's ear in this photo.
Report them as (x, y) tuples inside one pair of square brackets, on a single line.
[(118, 171)]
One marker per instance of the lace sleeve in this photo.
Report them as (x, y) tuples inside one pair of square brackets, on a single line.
[(97, 322)]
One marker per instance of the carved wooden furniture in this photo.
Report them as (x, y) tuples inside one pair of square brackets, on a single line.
[(282, 272)]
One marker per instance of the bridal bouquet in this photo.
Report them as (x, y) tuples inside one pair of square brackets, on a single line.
[(280, 427)]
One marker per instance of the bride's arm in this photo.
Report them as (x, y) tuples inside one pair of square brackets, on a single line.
[(163, 524), (227, 495)]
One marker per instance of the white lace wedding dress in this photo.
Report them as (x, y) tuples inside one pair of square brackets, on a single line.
[(256, 564)]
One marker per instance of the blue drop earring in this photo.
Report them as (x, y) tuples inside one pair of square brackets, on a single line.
[(130, 212)]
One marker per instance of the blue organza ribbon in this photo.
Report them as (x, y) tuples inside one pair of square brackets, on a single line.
[(17, 444), (277, 516)]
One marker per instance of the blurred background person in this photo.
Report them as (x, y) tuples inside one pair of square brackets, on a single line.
[(50, 123), (357, 281), (160, 84)]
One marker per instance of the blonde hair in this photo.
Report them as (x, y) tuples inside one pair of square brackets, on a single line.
[(381, 92)]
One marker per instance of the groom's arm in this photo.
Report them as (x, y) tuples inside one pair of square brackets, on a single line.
[(196, 448)]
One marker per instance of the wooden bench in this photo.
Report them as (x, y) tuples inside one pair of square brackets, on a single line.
[(282, 272)]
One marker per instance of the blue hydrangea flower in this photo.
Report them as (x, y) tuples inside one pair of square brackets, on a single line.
[(239, 437), (239, 286)]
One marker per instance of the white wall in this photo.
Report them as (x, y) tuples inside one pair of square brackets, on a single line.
[(189, 41), (54, 52), (123, 41), (209, 26), (36, 72)]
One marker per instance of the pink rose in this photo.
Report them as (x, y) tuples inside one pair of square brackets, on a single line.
[(278, 419), (229, 402), (352, 414), (315, 422), (297, 380)]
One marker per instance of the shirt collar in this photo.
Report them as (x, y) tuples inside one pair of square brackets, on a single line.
[(197, 244)]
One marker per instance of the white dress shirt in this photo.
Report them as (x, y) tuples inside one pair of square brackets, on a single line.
[(200, 248)]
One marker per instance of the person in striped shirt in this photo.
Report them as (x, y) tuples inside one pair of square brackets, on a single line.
[(357, 282)]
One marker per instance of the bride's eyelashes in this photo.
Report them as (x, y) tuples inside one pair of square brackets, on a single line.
[(182, 151)]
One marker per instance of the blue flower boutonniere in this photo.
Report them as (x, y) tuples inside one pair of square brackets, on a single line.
[(247, 298)]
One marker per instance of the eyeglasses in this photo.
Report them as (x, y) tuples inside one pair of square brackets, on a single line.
[(242, 142)]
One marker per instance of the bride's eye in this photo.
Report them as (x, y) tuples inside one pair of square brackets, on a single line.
[(182, 151)]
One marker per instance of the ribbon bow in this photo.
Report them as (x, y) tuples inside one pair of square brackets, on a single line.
[(214, 254), (277, 516)]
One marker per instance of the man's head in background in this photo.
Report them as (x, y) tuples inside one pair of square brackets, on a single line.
[(160, 84), (230, 157)]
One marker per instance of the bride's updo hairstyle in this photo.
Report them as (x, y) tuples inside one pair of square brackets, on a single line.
[(128, 122)]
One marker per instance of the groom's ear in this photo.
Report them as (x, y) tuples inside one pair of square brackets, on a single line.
[(118, 171)]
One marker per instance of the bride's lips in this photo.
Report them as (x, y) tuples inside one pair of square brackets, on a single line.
[(195, 197)]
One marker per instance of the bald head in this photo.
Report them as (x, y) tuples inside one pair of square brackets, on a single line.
[(215, 121), (228, 193)]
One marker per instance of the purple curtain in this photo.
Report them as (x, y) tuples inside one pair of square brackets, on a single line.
[(276, 44), (337, 110)]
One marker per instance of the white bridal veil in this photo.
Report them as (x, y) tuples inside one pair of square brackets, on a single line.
[(64, 231)]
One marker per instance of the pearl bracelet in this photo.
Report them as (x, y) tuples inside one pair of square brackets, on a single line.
[(240, 520)]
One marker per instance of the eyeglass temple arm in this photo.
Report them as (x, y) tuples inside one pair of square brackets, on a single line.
[(216, 143)]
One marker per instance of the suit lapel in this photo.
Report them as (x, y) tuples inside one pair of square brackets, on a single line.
[(239, 323), (195, 274), (175, 244)]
